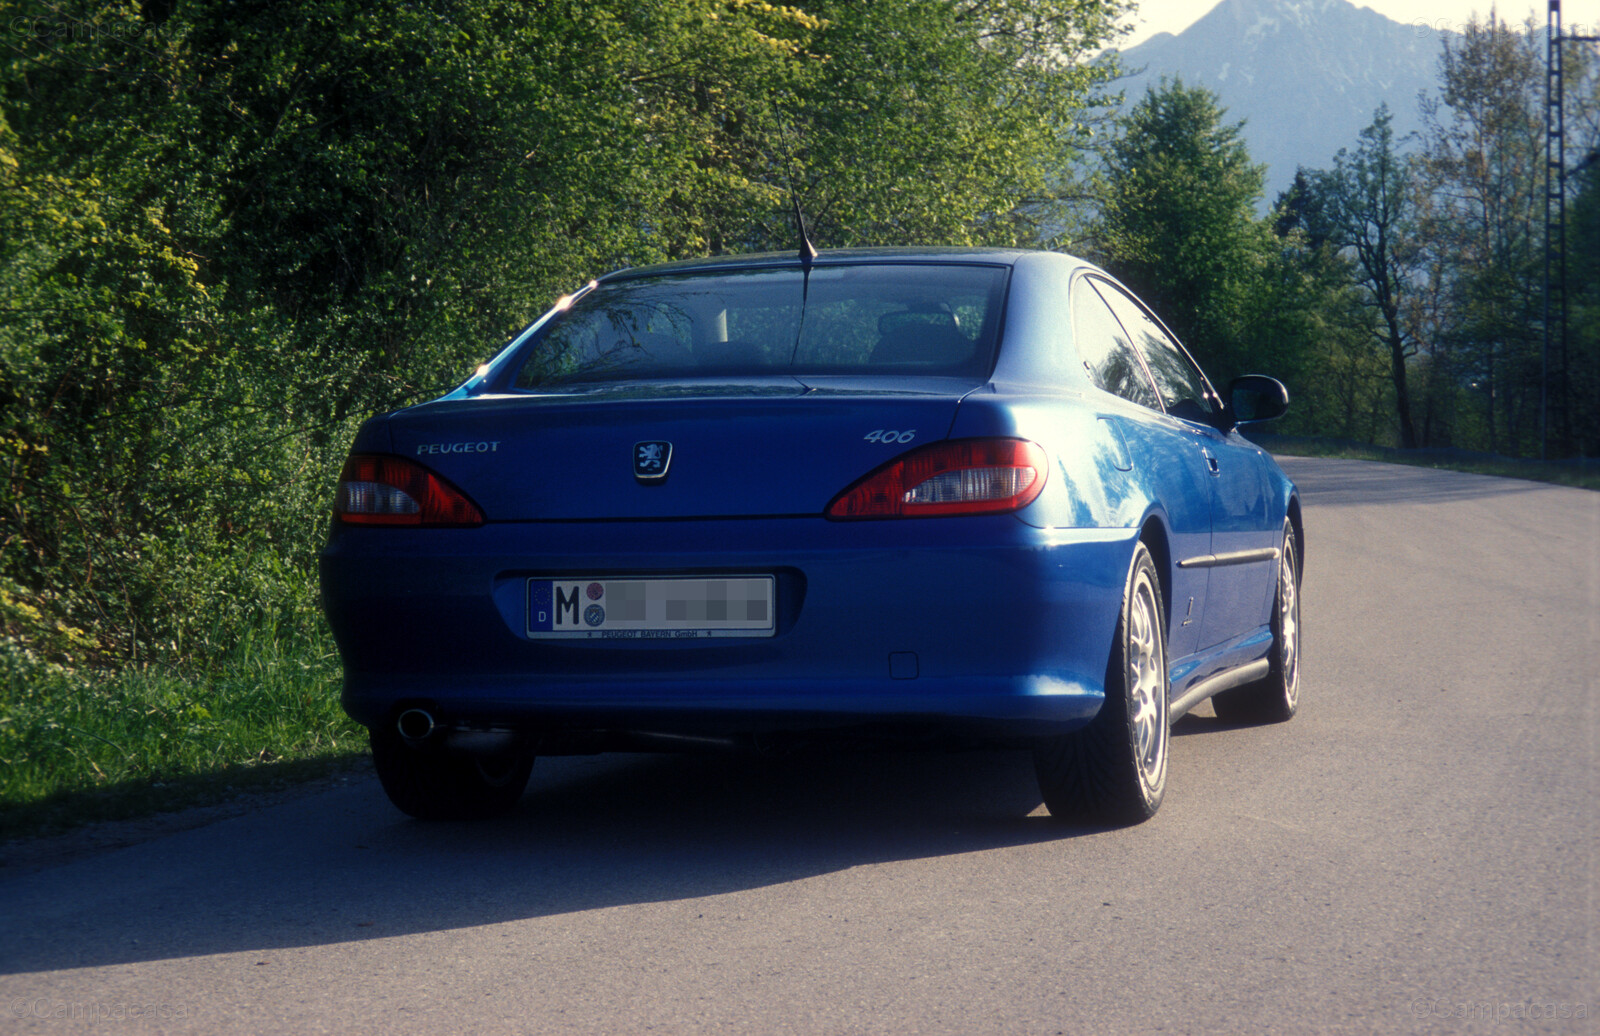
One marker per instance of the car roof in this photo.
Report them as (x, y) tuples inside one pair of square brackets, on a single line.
[(839, 257)]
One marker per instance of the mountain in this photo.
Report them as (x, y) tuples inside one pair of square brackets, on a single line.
[(1305, 75)]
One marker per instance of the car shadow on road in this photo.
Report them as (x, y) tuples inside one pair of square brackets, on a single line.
[(1201, 721), (590, 833)]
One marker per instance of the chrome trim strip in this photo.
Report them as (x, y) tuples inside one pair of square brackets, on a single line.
[(1224, 681), (1237, 557)]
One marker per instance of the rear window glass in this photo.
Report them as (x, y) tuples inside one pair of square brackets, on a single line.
[(907, 318)]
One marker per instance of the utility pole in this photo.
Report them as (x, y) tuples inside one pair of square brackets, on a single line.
[(1555, 221)]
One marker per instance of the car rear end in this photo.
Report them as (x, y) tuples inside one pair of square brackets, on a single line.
[(743, 520)]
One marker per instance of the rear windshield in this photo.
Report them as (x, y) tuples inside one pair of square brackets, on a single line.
[(907, 319)]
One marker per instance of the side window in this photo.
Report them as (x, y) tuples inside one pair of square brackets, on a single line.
[(1184, 390), (1104, 348)]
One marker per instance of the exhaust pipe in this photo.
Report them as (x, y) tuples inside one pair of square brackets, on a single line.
[(415, 724)]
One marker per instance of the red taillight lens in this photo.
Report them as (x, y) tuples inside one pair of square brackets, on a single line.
[(376, 489), (967, 476)]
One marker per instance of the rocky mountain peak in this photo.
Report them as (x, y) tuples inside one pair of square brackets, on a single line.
[(1304, 75)]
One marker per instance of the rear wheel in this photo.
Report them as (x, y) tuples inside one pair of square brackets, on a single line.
[(1276, 696), (1115, 769), (430, 784)]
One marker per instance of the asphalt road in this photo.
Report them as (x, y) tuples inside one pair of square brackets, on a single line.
[(1415, 852)]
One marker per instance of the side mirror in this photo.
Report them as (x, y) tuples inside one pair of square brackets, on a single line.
[(1255, 398)]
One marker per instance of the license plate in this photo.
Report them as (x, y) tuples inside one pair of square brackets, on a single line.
[(666, 609)]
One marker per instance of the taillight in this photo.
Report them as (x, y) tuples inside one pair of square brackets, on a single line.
[(965, 476), (377, 489)]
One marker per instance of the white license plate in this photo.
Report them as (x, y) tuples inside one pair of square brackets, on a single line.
[(634, 609)]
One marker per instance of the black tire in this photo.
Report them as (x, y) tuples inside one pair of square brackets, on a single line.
[(1114, 771), (1276, 696), (430, 784)]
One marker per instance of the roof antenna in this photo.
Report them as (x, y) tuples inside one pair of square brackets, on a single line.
[(808, 251), (808, 257)]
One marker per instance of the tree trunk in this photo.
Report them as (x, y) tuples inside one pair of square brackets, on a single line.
[(1402, 399), (1397, 372)]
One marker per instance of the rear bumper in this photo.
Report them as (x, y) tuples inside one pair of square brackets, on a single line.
[(982, 629)]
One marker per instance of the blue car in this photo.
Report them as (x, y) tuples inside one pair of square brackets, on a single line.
[(931, 497)]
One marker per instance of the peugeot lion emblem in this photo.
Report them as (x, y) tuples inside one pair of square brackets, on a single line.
[(650, 460)]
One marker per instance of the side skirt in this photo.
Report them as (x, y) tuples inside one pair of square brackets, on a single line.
[(1224, 681)]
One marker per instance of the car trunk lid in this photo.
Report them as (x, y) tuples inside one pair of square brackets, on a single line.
[(779, 447)]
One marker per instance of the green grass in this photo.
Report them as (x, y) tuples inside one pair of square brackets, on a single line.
[(78, 747), (1578, 475)]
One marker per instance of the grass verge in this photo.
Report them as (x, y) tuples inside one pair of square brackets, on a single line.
[(1580, 475), (81, 747)]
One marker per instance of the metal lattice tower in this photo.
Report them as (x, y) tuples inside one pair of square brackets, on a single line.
[(1555, 221)]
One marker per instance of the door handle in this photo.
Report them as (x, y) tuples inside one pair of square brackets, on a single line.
[(1211, 460)]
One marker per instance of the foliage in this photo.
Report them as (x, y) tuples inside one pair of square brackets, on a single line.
[(1575, 427), (1178, 220), (1442, 249), (1339, 382), (230, 230), (1400, 293), (1484, 154), (1366, 208), (972, 114), (1582, 348)]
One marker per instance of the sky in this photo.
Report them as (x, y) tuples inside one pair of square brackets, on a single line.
[(1174, 16)]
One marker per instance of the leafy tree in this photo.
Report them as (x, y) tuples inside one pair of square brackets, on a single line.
[(1484, 152), (229, 230), (1583, 275), (1367, 209), (1300, 209), (954, 122), (1178, 220), (1338, 380), (1576, 420)]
